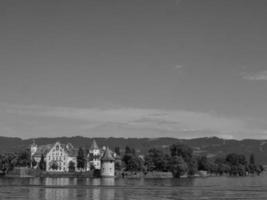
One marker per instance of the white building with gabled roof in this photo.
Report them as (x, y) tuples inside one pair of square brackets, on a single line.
[(58, 157)]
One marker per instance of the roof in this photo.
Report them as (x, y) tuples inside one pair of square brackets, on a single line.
[(70, 150), (107, 155), (44, 149), (94, 145)]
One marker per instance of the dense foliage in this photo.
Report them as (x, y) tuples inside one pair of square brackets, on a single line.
[(71, 166), (81, 161), (42, 163), (181, 161), (131, 160)]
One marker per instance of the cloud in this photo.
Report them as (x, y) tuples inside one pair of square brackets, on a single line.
[(120, 122), (258, 76), (179, 66)]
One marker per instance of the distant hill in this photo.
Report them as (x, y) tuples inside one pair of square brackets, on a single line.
[(211, 146)]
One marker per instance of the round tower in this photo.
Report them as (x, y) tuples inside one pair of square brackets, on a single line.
[(107, 164)]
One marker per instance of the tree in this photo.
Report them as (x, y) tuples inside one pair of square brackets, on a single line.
[(181, 150), (252, 166), (8, 162), (133, 164), (131, 160), (118, 151), (237, 163), (232, 159), (34, 163), (118, 165), (203, 163), (242, 159), (149, 164), (178, 166), (192, 166), (127, 150), (24, 159), (157, 160), (42, 164), (186, 153), (80, 159), (71, 166), (252, 159)]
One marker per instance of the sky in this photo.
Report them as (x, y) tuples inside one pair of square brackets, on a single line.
[(133, 68)]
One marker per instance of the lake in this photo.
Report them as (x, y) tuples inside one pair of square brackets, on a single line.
[(129, 189)]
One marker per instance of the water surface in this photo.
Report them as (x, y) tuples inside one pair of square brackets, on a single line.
[(253, 188)]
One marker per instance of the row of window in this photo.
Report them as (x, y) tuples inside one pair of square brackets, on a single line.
[(57, 154), (60, 168), (104, 169), (56, 158)]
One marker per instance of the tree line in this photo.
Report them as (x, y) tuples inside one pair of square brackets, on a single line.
[(180, 160)]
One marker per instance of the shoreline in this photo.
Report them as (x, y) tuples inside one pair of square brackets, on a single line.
[(118, 175)]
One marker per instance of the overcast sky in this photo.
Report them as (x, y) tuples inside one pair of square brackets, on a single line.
[(133, 68)]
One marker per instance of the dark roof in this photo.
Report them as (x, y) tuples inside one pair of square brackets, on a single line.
[(71, 151), (44, 149), (94, 145), (107, 155)]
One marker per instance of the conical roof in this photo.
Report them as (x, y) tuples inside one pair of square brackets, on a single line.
[(107, 155), (94, 145)]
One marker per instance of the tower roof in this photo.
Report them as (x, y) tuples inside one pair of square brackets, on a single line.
[(94, 145), (107, 155)]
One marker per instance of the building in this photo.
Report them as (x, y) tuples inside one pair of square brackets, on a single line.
[(93, 157), (63, 158), (107, 164), (58, 157)]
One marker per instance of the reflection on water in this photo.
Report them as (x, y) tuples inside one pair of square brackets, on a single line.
[(108, 193), (128, 189)]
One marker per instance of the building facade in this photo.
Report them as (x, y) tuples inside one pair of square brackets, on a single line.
[(58, 157), (94, 157)]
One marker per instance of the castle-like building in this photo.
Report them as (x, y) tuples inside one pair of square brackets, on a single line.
[(60, 157)]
